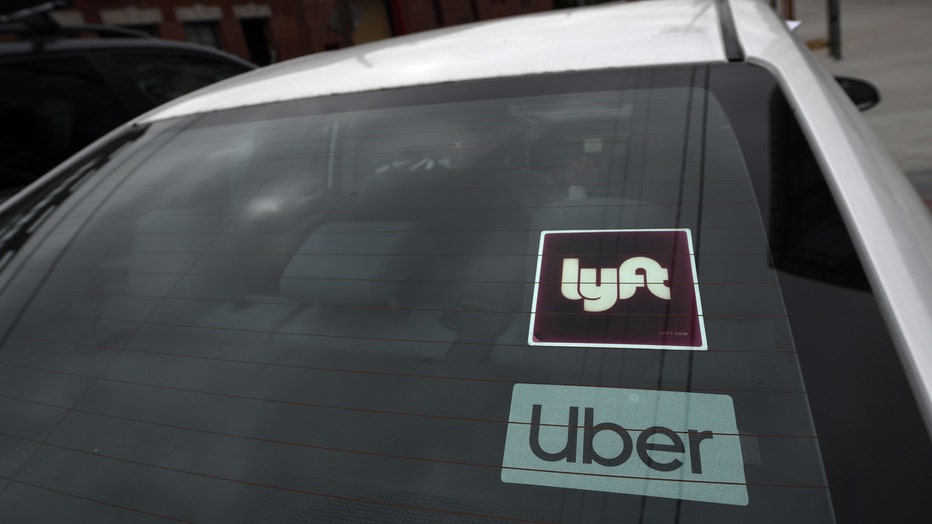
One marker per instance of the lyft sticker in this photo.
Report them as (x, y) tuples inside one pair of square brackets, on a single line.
[(637, 442), (617, 289)]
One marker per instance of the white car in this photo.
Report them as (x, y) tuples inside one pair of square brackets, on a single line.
[(636, 262)]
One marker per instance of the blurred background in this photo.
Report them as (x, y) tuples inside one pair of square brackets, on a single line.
[(886, 42), (267, 31)]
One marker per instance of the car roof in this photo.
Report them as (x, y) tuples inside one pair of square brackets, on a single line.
[(661, 32)]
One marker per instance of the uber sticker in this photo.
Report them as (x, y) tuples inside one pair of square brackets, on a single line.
[(617, 289), (638, 442)]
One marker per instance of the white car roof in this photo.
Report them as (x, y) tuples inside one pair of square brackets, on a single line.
[(659, 32)]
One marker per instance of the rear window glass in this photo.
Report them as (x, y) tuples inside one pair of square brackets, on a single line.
[(547, 306)]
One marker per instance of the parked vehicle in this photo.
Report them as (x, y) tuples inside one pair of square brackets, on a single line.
[(635, 262), (62, 89)]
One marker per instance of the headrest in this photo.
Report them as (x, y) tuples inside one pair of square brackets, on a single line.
[(351, 263), (603, 213)]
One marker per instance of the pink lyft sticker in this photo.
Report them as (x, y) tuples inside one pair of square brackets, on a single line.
[(617, 289)]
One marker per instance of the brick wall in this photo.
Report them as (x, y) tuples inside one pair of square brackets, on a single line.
[(291, 27)]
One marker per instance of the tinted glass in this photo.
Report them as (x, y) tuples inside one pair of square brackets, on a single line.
[(365, 308), (48, 110), (162, 77)]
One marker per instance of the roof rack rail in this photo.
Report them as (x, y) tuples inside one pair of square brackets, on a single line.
[(28, 14), (105, 31), (36, 21), (733, 50)]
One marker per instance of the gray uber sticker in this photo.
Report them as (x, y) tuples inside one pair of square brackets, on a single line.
[(638, 442)]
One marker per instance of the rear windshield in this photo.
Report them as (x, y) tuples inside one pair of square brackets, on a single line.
[(550, 299)]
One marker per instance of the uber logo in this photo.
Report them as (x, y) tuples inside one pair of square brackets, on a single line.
[(617, 288), (673, 443), (639, 442)]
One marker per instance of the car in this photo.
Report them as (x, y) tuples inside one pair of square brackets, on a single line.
[(631, 262), (61, 89)]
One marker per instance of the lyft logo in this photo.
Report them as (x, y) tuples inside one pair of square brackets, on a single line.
[(639, 442), (601, 290), (617, 288)]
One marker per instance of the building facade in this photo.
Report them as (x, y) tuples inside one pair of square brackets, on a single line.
[(267, 31)]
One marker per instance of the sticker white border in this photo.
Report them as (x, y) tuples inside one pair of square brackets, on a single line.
[(695, 276)]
